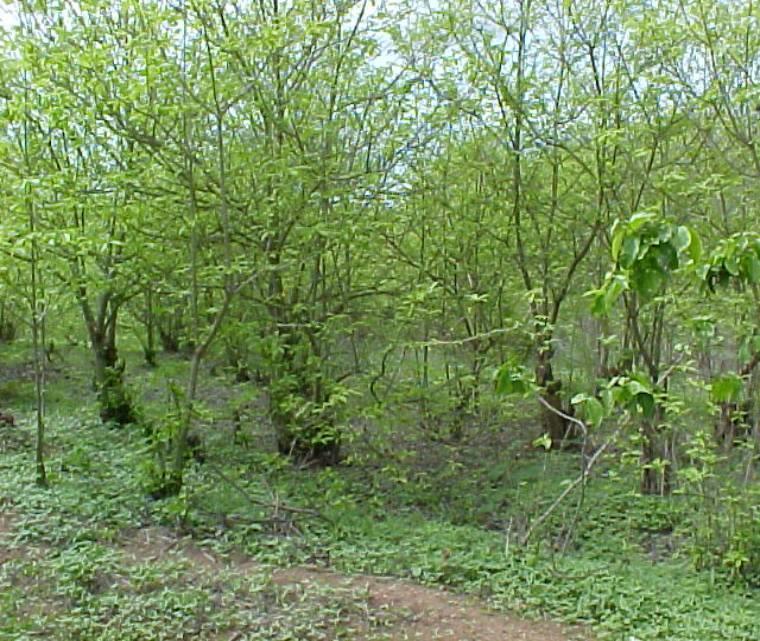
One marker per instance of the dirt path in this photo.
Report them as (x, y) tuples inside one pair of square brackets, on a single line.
[(408, 612), (432, 614), (419, 613)]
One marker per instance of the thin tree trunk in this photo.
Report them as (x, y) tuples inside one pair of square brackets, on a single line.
[(36, 305)]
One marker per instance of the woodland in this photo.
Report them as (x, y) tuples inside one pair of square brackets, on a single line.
[(460, 292)]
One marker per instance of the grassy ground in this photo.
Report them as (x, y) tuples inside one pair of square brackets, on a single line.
[(436, 513)]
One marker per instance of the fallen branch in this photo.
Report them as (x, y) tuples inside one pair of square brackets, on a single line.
[(567, 417), (581, 479)]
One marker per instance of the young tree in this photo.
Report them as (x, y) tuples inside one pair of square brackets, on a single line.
[(646, 253)]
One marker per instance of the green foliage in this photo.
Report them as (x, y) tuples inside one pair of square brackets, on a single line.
[(421, 524), (723, 525), (633, 393), (736, 258), (593, 410), (115, 402), (514, 378), (619, 595), (646, 252), (726, 388), (366, 213)]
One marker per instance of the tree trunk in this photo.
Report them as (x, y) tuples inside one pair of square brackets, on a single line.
[(149, 320), (7, 326), (113, 400), (725, 428), (552, 423), (655, 470), (303, 435)]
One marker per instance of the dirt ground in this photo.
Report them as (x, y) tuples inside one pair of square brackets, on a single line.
[(432, 614), (416, 613), (429, 614)]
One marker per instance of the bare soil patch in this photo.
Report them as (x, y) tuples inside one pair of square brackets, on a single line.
[(380, 607), (414, 612), (160, 544), (432, 614)]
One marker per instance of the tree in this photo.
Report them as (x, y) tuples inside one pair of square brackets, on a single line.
[(646, 252)]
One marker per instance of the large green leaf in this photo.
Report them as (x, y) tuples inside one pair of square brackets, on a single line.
[(639, 219), (618, 234), (605, 297), (593, 411), (731, 263), (646, 403), (682, 238), (666, 256), (647, 280), (635, 387), (616, 286), (695, 246), (629, 251)]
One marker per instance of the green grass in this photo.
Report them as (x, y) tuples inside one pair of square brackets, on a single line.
[(608, 581), (66, 575), (438, 513), (88, 591)]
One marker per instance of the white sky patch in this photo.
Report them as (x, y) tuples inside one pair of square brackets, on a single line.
[(8, 14)]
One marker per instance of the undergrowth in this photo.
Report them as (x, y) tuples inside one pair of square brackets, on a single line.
[(621, 569)]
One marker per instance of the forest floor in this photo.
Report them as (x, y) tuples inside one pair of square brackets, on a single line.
[(359, 607), (413, 536)]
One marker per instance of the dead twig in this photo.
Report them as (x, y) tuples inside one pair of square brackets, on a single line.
[(582, 477)]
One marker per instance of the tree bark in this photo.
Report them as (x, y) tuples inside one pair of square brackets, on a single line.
[(307, 437), (552, 423), (113, 401), (656, 477)]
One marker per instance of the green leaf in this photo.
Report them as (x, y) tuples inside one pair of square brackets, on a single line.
[(666, 256), (618, 234), (593, 411), (607, 397), (614, 289), (645, 401), (681, 239), (512, 379), (599, 304), (544, 441), (634, 387), (731, 264), (695, 247), (629, 251), (639, 219), (606, 296), (646, 280), (621, 395)]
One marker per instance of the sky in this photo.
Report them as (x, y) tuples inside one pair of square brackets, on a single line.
[(7, 13)]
